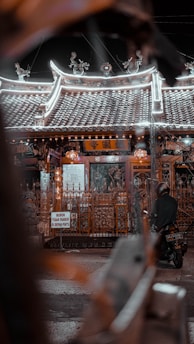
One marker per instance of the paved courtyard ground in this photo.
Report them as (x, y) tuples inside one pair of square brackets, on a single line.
[(66, 299)]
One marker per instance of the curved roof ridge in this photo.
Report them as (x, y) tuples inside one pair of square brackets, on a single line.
[(14, 85), (185, 80), (103, 88), (185, 77), (70, 78), (47, 106), (23, 82)]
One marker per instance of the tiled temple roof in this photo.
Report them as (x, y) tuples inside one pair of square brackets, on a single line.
[(21, 108), (179, 107), (97, 104), (100, 110)]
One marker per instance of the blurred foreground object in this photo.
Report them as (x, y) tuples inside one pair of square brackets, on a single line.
[(127, 302), (127, 307), (21, 304), (23, 23)]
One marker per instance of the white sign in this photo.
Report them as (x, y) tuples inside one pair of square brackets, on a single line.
[(44, 181), (60, 219), (73, 177)]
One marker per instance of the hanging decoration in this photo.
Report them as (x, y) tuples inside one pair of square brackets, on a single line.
[(72, 155), (140, 154)]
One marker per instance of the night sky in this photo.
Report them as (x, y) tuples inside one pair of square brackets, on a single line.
[(94, 50), (177, 24)]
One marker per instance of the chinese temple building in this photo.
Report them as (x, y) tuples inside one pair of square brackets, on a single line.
[(93, 147)]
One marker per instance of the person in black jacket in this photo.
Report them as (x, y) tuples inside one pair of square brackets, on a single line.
[(164, 212), (165, 208)]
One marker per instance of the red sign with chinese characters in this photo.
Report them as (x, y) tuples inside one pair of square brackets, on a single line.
[(106, 145)]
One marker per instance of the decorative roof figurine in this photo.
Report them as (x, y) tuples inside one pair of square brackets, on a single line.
[(22, 73), (190, 66), (131, 65), (106, 68), (78, 67)]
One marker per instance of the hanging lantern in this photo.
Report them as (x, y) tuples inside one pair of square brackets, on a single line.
[(140, 153), (72, 155)]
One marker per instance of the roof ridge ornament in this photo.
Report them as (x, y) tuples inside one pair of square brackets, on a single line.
[(78, 67), (106, 68), (132, 65), (190, 66), (22, 73)]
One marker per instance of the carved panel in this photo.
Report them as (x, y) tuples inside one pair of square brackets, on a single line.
[(141, 179), (184, 193), (103, 218), (122, 222), (107, 177), (84, 219)]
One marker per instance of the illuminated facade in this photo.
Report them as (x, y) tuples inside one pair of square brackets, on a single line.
[(111, 137)]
